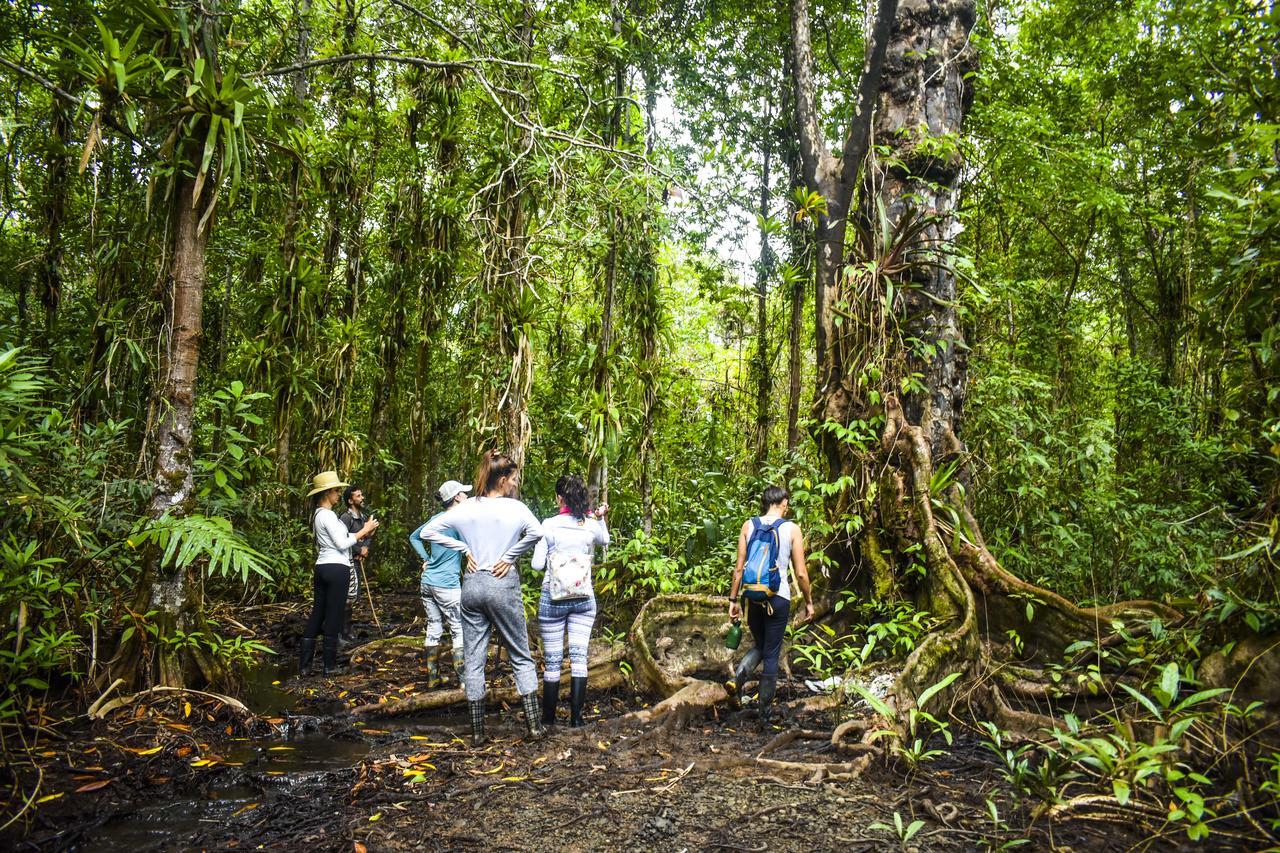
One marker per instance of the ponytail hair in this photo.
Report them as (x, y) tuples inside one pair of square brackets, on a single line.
[(574, 492), (493, 467), (772, 496)]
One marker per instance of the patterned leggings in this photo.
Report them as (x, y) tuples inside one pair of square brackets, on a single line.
[(553, 617)]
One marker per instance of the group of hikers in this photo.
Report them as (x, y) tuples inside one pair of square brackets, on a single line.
[(471, 584)]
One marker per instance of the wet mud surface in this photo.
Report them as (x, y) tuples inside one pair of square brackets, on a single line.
[(184, 772)]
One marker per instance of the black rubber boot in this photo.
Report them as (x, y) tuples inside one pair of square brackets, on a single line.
[(768, 687), (306, 654), (550, 698), (577, 698), (344, 633), (476, 709), (741, 673), (532, 718), (331, 657)]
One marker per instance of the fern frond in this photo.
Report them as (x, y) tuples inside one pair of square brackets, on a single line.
[(187, 539)]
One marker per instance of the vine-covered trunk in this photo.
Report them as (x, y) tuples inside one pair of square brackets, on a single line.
[(898, 357)]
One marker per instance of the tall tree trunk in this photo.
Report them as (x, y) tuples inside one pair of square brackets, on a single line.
[(55, 210), (439, 233), (924, 90), (173, 598), (762, 367), (800, 264), (649, 315), (288, 306), (602, 378)]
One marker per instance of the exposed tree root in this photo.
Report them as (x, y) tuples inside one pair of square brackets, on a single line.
[(813, 772), (979, 600), (121, 701)]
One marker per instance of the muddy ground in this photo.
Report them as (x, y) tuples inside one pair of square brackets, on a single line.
[(184, 771)]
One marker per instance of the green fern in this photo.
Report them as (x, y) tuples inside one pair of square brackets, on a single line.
[(190, 538)]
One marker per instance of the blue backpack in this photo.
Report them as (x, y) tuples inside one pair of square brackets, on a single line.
[(760, 575)]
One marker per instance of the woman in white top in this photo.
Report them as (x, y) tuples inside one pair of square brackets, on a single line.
[(767, 613), (492, 531), (332, 572), (568, 538)]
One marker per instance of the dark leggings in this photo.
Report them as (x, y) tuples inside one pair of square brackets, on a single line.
[(768, 629), (329, 588)]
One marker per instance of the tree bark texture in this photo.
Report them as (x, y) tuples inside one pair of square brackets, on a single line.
[(763, 367), (924, 96)]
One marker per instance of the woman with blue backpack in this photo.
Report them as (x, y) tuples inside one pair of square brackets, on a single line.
[(770, 550)]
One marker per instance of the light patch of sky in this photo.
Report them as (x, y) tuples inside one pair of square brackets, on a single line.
[(734, 237)]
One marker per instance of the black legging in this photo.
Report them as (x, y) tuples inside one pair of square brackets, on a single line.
[(329, 587), (768, 629)]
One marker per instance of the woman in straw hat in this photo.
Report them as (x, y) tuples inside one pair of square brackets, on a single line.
[(332, 571)]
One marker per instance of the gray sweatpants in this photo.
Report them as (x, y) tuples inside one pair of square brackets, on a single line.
[(488, 603)]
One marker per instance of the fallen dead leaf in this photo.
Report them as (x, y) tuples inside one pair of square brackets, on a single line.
[(93, 786), (47, 797)]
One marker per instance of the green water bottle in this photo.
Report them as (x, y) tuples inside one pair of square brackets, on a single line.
[(734, 637)]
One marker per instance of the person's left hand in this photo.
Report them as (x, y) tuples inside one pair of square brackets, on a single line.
[(471, 563)]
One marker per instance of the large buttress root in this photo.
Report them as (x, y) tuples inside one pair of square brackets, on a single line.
[(975, 596)]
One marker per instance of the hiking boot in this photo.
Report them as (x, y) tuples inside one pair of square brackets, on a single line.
[(768, 687), (433, 667), (532, 718), (475, 708), (577, 698), (306, 654), (550, 698)]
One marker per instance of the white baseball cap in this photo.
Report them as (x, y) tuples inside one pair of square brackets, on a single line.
[(449, 490)]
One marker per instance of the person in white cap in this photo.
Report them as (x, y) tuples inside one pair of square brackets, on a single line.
[(332, 572), (441, 587)]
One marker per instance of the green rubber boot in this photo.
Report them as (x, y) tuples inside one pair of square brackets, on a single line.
[(433, 667)]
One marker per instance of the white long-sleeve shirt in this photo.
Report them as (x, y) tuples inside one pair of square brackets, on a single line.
[(333, 540), (491, 530), (563, 532)]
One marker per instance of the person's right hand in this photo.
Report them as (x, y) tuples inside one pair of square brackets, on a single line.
[(369, 526), (501, 568), (735, 611)]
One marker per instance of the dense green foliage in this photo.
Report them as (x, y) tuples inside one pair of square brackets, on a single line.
[(546, 227)]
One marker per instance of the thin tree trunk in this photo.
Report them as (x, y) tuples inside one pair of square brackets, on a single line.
[(602, 380), (288, 304), (764, 270), (55, 209)]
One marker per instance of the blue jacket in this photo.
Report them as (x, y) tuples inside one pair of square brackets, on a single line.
[(444, 566)]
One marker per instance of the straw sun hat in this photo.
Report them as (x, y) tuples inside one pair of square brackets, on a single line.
[(324, 481)]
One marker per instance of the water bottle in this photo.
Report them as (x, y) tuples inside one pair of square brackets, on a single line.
[(734, 637)]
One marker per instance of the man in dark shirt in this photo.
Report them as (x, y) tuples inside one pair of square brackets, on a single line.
[(354, 518)]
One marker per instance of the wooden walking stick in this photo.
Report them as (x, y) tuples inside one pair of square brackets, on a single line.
[(369, 596)]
